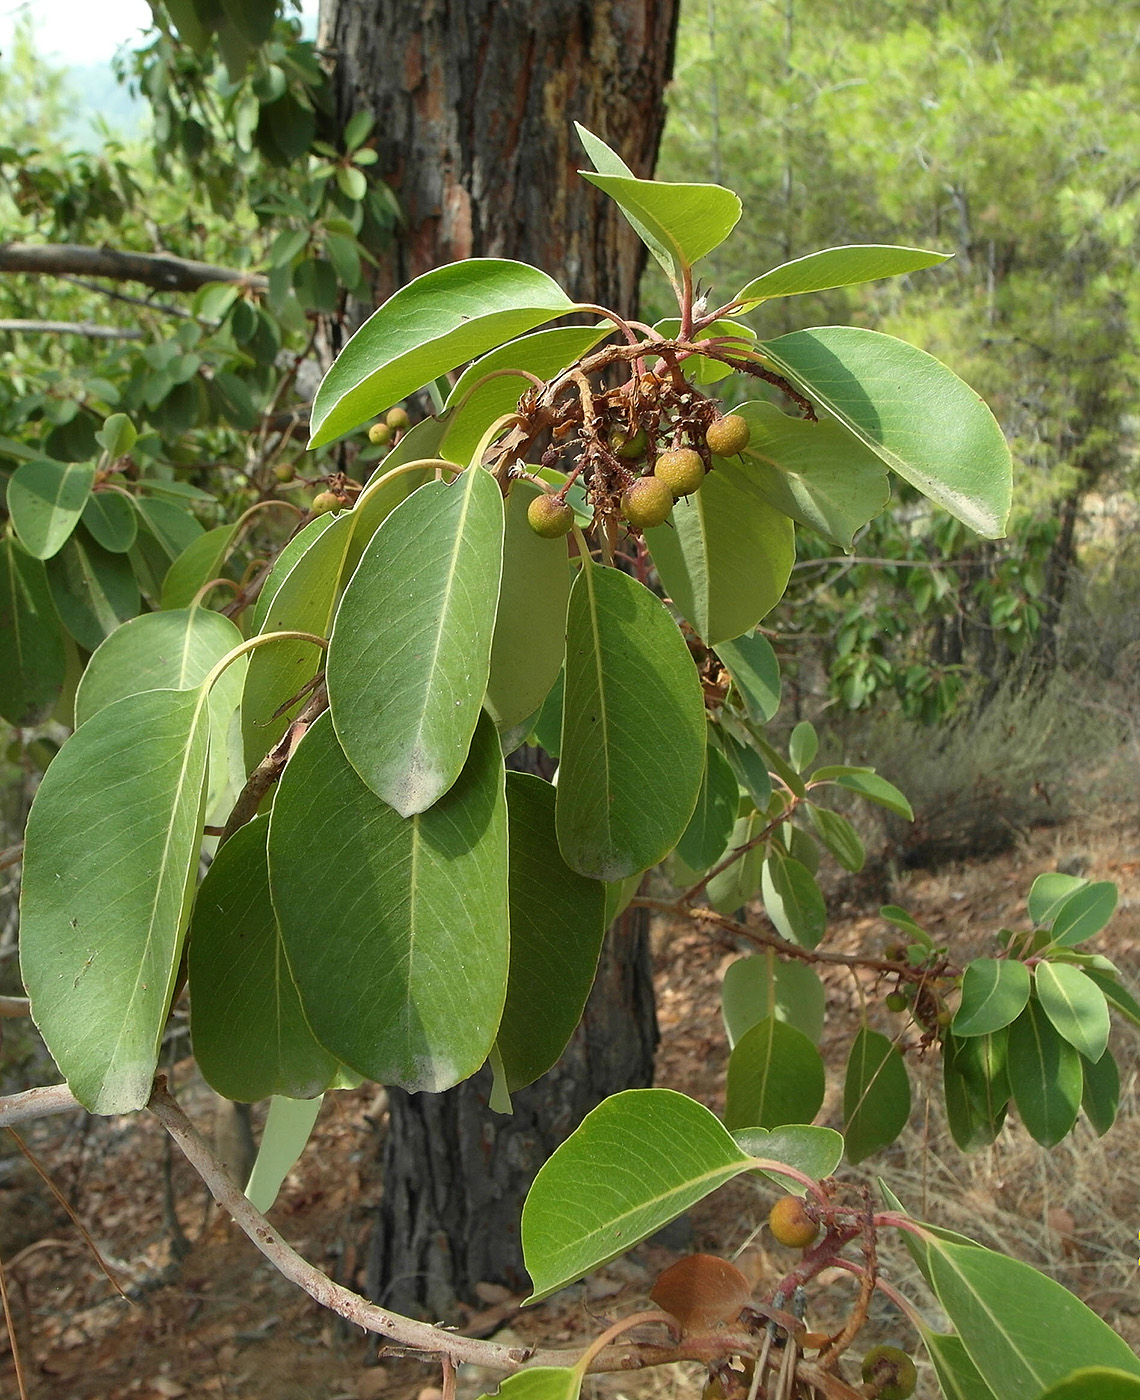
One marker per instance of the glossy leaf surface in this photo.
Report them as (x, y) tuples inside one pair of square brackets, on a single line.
[(876, 1095), (755, 673), (441, 319), (1048, 892), (395, 928), (112, 851), (45, 501), (775, 1076), (1084, 913), (940, 436), (725, 559), (814, 1151), (557, 920), (1075, 1006), (110, 519), (410, 650), (32, 660), (792, 899), (633, 729), (250, 1036), (529, 641), (1044, 1075), (994, 993), (817, 473), (637, 1161), (199, 563), (836, 267)]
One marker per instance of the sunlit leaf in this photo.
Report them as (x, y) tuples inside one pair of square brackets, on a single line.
[(441, 319), (814, 1151), (836, 267), (45, 501), (755, 674), (764, 985), (288, 1127), (1076, 1007)]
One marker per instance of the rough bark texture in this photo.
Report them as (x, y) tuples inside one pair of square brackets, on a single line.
[(475, 102)]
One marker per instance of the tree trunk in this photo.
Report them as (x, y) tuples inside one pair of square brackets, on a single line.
[(475, 102)]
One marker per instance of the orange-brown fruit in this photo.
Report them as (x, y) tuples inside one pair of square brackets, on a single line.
[(647, 502), (892, 1371), (681, 470), (380, 434), (728, 435), (791, 1224), (397, 419), (814, 1341), (702, 1292), (549, 517), (325, 501), (630, 447)]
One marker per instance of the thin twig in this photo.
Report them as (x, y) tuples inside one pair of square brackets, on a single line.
[(12, 856), (11, 1326), (75, 1220), (37, 1103), (15, 1006)]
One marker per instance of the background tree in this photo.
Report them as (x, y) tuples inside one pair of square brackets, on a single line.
[(478, 173)]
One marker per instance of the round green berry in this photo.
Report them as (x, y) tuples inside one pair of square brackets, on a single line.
[(284, 472), (681, 470), (325, 501), (549, 517), (630, 447), (397, 419), (647, 502), (728, 435), (380, 434), (895, 1001), (892, 1370)]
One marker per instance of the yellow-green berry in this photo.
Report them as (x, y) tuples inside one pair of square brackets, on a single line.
[(630, 447), (325, 501), (398, 420), (681, 470), (379, 434), (790, 1223), (728, 435), (284, 472), (549, 517), (647, 502), (895, 1001), (892, 1371)]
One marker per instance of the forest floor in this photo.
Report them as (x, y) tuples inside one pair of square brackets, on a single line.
[(221, 1323)]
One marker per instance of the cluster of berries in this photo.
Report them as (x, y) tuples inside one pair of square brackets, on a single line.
[(647, 501)]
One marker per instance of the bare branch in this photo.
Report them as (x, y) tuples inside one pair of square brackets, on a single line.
[(37, 1103), (14, 1006), (162, 270), (87, 328)]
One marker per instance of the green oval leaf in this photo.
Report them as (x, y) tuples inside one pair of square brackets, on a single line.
[(401, 976), (32, 658), (1117, 995), (679, 224), (814, 1151), (775, 1076), (633, 729), (636, 1162), (814, 472), (867, 783), (93, 590), (731, 888), (1076, 1007), (724, 559), (839, 836), (1045, 1077), (288, 1127), (303, 601), (439, 320), (939, 435), (1100, 1097), (1084, 913), (876, 1095), (792, 899), (557, 925), (994, 993), (110, 519), (410, 650), (710, 828), (760, 986), (836, 267), (250, 1036), (1048, 892), (45, 501), (997, 1306), (529, 641), (971, 1126), (198, 563), (112, 851), (755, 674), (957, 1374), (540, 1383)]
